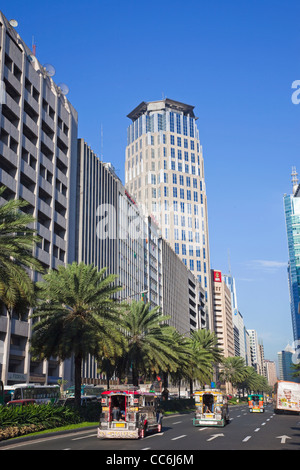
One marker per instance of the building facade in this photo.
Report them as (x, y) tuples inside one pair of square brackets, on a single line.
[(237, 318), (270, 372), (285, 361), (38, 160), (164, 172), (257, 355), (222, 312), (292, 218), (183, 297)]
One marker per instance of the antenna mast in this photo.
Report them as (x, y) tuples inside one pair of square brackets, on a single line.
[(295, 181), (101, 144)]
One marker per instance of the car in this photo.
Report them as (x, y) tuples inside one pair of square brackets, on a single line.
[(24, 402)]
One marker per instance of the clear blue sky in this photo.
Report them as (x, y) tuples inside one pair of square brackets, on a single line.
[(235, 62)]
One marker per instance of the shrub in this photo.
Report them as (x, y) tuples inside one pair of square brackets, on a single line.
[(19, 420)]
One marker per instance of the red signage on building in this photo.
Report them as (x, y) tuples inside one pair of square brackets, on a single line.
[(217, 276)]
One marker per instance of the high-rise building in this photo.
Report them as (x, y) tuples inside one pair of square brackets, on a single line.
[(285, 361), (164, 172), (222, 312), (270, 372), (292, 218), (38, 161), (257, 355)]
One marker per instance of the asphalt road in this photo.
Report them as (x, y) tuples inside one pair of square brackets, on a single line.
[(246, 431)]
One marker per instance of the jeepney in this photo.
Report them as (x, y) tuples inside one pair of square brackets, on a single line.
[(129, 414), (256, 403), (211, 408)]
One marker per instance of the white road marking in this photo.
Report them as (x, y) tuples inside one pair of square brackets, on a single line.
[(84, 437), (178, 437), (246, 439)]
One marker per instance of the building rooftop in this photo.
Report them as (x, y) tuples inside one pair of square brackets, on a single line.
[(150, 106)]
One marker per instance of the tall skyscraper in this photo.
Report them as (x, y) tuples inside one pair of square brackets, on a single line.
[(292, 218), (164, 172), (285, 361), (38, 161), (222, 311)]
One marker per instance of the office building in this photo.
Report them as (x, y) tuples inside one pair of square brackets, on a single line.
[(38, 161), (222, 312), (237, 318), (285, 361), (257, 355), (270, 372), (292, 218), (183, 296), (164, 172)]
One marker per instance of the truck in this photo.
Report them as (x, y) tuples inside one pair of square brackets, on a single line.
[(286, 397)]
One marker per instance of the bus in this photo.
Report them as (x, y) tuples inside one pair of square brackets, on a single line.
[(286, 397), (40, 393), (8, 393), (86, 390)]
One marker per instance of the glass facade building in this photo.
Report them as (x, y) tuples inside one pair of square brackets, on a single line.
[(292, 217), (164, 173)]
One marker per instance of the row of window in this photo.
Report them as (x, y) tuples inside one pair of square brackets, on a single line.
[(191, 237), (190, 250)]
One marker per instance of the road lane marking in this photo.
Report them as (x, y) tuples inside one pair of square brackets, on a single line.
[(257, 429), (214, 436), (177, 422), (84, 437), (202, 429), (246, 439), (178, 437), (153, 435)]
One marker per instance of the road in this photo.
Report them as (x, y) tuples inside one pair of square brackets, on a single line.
[(259, 431)]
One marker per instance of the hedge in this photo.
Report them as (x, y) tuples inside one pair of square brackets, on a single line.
[(19, 420)]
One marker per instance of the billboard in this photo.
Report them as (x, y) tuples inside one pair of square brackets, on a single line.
[(217, 276)]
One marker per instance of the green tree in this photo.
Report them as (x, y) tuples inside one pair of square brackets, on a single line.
[(233, 370), (17, 241), (206, 354), (75, 315), (295, 370), (148, 342)]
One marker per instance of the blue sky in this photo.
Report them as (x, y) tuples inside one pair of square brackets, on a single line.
[(235, 61)]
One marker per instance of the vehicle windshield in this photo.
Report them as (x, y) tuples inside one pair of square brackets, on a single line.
[(118, 407)]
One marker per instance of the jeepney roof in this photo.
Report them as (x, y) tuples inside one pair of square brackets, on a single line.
[(129, 392), (209, 390)]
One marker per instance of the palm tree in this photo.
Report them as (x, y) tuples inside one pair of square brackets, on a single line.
[(76, 315), (16, 254), (233, 370), (183, 347), (206, 354), (149, 341)]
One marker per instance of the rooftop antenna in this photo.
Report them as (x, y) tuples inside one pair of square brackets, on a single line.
[(101, 144), (63, 89), (295, 181), (13, 23), (48, 70), (229, 262), (33, 47)]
